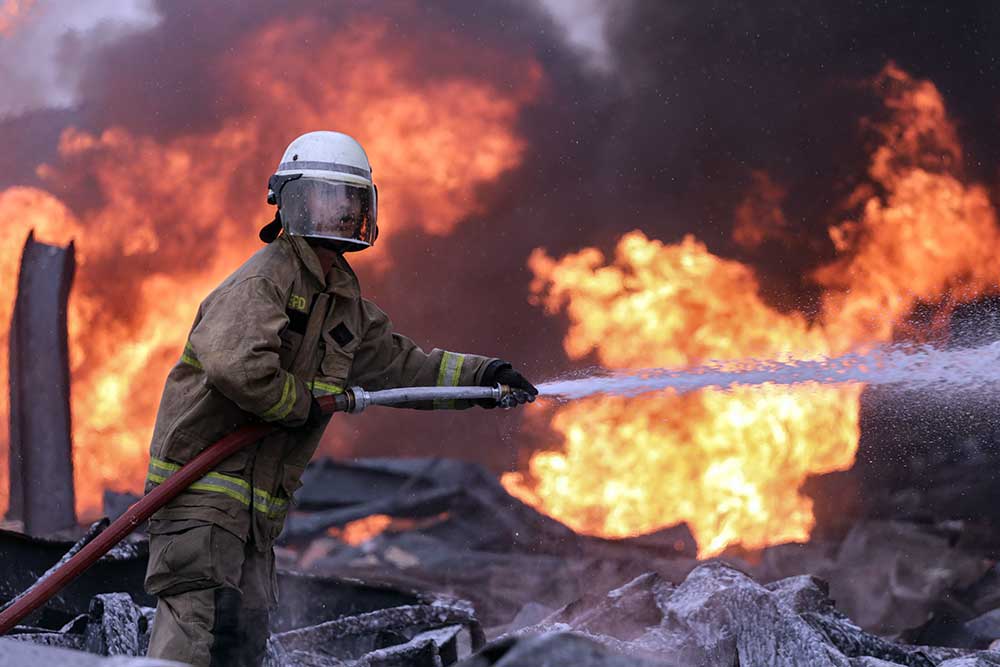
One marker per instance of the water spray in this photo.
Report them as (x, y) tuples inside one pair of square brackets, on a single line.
[(911, 369)]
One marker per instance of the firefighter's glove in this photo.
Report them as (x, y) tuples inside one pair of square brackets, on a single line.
[(501, 372)]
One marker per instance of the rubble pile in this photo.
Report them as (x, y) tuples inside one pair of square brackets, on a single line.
[(463, 535), (457, 572), (716, 616), (430, 632)]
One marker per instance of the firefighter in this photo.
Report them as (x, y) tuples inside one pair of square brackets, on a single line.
[(288, 326)]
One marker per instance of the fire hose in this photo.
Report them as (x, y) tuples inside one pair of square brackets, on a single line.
[(353, 400)]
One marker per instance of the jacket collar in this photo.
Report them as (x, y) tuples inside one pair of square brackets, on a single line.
[(341, 278)]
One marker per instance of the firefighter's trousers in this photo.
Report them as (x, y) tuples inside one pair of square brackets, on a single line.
[(215, 592)]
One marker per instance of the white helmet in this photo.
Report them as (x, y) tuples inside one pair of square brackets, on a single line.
[(323, 189)]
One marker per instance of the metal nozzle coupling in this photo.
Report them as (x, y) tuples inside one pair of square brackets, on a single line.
[(358, 401)]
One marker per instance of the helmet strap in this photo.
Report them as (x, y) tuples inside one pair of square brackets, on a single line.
[(269, 232)]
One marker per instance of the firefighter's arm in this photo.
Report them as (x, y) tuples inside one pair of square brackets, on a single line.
[(236, 342), (386, 359)]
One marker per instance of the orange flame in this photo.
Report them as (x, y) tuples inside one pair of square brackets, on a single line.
[(177, 215), (759, 217), (730, 463), (360, 531), (13, 12), (721, 461), (928, 237)]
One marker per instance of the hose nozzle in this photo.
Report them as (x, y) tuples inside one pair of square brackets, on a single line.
[(357, 399)]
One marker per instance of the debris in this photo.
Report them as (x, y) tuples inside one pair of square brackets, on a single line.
[(413, 635), (556, 648), (40, 443), (888, 576), (355, 636), (718, 616), (94, 530), (27, 558), (538, 588), (530, 614), (307, 599), (478, 542), (117, 626), (986, 627)]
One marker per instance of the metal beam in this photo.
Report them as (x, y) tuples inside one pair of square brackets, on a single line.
[(41, 452)]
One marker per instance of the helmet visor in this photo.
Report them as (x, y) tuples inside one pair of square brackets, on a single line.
[(328, 210)]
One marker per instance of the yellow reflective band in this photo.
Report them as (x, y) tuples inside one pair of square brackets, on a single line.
[(215, 487), (448, 375), (270, 505), (189, 357), (155, 463), (215, 482), (325, 388), (229, 479), (285, 404), (451, 368)]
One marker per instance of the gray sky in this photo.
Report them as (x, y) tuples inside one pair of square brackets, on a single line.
[(31, 74)]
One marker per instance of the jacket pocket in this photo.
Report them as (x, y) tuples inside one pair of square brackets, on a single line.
[(340, 342), (185, 558)]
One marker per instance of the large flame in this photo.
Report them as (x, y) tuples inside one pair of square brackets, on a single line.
[(160, 222), (730, 464), (727, 463)]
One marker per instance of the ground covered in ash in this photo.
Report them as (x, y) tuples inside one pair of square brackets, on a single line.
[(463, 574)]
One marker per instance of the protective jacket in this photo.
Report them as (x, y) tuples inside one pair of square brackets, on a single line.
[(273, 334)]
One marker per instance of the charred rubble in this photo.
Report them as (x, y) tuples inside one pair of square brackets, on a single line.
[(464, 574)]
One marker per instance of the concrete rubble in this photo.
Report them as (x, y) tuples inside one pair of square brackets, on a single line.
[(463, 574), (717, 616)]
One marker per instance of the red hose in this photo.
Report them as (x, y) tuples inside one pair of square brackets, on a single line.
[(140, 512)]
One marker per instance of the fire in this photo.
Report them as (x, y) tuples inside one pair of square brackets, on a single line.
[(720, 461), (759, 217), (929, 237), (13, 12), (158, 222), (730, 463), (360, 531)]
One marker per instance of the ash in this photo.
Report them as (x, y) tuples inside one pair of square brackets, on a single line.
[(454, 571)]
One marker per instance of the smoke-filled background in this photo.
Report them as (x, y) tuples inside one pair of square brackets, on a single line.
[(563, 184)]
